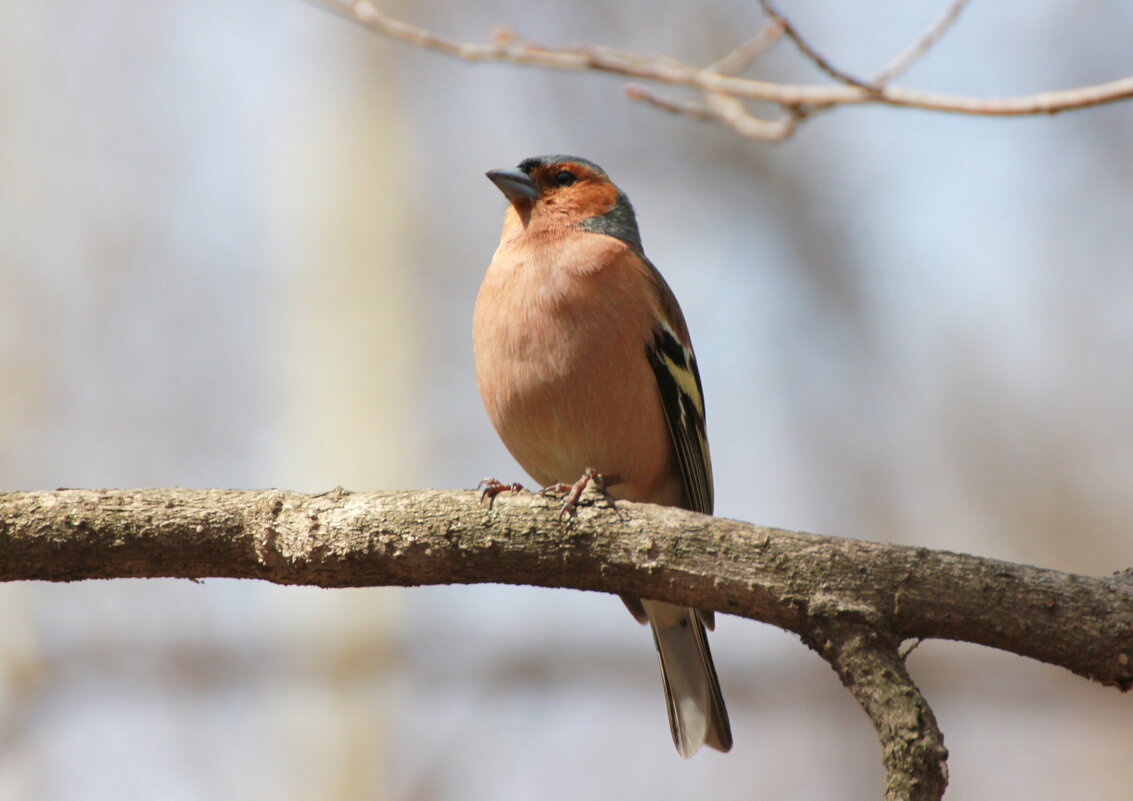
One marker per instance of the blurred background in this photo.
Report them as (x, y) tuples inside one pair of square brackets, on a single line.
[(239, 247)]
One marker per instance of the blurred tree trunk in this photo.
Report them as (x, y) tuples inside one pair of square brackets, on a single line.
[(345, 326)]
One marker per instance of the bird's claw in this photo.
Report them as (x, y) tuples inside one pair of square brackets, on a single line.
[(574, 491), (492, 487)]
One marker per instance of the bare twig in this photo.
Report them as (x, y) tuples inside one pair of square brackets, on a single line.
[(797, 99), (741, 57), (719, 108), (805, 48), (909, 56), (732, 112)]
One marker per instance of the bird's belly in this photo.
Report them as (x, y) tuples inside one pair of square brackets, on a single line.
[(563, 406)]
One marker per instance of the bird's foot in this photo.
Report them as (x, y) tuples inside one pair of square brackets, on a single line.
[(492, 487), (574, 491)]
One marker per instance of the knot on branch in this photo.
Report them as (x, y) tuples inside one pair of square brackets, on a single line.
[(828, 607)]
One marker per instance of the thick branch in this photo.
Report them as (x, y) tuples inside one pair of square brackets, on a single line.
[(852, 601), (788, 579)]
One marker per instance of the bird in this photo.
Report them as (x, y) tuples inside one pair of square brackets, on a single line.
[(586, 370)]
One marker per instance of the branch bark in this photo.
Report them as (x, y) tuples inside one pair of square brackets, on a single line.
[(853, 602)]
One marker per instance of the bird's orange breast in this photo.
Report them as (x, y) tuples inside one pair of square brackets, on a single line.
[(560, 334)]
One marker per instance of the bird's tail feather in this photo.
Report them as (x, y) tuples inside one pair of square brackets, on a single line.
[(692, 691)]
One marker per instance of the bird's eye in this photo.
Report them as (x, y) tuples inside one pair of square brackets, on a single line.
[(564, 178)]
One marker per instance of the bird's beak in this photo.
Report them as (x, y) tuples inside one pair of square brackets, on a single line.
[(515, 184)]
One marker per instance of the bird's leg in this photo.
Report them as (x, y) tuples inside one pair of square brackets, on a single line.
[(574, 491), (493, 487)]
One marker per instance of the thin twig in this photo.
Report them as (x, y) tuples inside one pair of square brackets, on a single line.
[(909, 56), (741, 57), (805, 48), (732, 112), (722, 109)]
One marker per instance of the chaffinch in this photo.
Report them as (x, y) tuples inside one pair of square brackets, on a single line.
[(585, 367)]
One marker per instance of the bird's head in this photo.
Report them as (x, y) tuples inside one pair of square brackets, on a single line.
[(567, 191)]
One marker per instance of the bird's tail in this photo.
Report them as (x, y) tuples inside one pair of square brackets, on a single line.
[(696, 708)]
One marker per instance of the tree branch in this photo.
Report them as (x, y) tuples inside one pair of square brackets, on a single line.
[(718, 79), (853, 602), (872, 669)]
